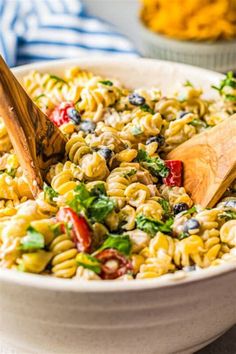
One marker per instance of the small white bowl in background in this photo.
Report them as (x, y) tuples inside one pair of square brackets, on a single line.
[(219, 55)]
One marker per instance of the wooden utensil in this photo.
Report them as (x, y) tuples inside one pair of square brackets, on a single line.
[(209, 162), (37, 142)]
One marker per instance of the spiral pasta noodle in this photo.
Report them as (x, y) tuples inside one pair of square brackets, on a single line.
[(113, 207)]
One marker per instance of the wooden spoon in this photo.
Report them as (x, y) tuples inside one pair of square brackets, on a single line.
[(209, 162), (37, 142)]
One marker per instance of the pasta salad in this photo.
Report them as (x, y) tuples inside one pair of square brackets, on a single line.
[(115, 207)]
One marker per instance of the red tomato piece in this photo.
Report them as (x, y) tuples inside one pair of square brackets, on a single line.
[(60, 115), (175, 173), (112, 254), (80, 230)]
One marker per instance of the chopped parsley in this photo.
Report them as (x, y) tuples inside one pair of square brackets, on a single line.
[(106, 82), (155, 165), (152, 226), (95, 204), (33, 240)]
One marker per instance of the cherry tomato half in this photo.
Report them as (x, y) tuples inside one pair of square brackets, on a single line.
[(80, 230), (123, 264)]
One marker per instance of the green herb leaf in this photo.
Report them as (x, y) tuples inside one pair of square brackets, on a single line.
[(106, 82), (229, 81), (121, 243), (57, 78), (199, 123), (230, 97), (183, 235), (99, 189), (228, 215), (146, 108), (39, 96), (152, 226), (100, 208), (33, 240), (188, 84), (49, 193), (155, 165), (136, 130), (190, 211), (94, 204), (88, 262), (11, 172), (130, 173), (165, 206), (56, 229)]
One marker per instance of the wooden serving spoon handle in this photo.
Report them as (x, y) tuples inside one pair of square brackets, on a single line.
[(37, 142), (209, 162)]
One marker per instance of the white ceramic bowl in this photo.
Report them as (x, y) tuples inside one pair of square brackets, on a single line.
[(219, 55), (171, 314)]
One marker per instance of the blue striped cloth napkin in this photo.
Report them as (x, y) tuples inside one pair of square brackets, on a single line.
[(36, 30)]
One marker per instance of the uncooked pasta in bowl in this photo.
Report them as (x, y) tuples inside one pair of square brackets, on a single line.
[(115, 207)]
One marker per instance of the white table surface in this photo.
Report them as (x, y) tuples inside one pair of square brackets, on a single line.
[(123, 13)]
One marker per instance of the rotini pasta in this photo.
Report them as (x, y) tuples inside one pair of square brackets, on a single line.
[(109, 210)]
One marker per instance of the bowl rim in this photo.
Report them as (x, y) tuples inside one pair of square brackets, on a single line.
[(169, 280), (162, 38)]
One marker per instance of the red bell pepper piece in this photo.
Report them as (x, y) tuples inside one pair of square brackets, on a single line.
[(174, 177), (60, 115), (112, 254), (80, 230)]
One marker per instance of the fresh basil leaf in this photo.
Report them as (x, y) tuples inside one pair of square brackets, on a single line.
[(165, 205), (142, 155), (130, 173), (56, 229), (228, 215), (146, 108), (230, 97), (32, 241), (100, 208), (198, 123), (155, 165), (121, 243), (98, 189), (229, 81), (49, 193), (152, 226), (189, 211), (106, 82), (188, 84), (57, 78), (183, 235), (94, 204), (88, 262)]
